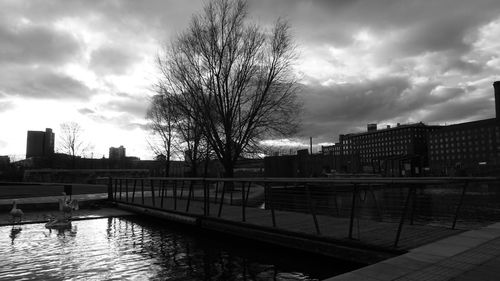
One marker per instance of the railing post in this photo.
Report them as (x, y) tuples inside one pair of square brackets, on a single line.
[(133, 190), (120, 189), (174, 191), (142, 190), (110, 189), (208, 196), (248, 192), (311, 208), (190, 194), (152, 191), (216, 192), (115, 189), (243, 215), (126, 190), (162, 191), (353, 207), (222, 199), (182, 190), (231, 196), (271, 205), (413, 206), (403, 215), (459, 205)]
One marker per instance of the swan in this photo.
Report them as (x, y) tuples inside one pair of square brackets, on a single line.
[(67, 206), (58, 223), (15, 213)]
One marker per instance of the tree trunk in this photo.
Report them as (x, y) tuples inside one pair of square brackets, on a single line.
[(229, 173), (167, 167)]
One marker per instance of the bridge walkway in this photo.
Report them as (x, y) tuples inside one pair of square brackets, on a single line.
[(365, 232)]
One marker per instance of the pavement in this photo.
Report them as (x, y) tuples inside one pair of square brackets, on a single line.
[(468, 256)]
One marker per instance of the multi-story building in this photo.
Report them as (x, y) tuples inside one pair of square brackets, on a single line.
[(117, 152), (467, 148), (470, 148), (40, 143), (400, 150)]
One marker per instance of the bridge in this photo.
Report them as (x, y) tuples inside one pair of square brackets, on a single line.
[(364, 220)]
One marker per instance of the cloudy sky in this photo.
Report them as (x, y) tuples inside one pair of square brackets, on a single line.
[(371, 61)]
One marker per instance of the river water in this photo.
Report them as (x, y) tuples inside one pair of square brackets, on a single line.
[(135, 248)]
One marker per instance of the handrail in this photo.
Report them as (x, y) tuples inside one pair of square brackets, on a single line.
[(318, 198), (333, 180)]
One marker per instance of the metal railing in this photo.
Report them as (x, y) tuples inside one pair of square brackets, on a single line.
[(364, 209)]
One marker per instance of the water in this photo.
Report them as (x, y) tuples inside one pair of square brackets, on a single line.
[(134, 249)]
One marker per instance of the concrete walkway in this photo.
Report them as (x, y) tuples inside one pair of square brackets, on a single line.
[(468, 256)]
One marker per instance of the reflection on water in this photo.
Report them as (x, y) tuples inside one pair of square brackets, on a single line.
[(128, 249)]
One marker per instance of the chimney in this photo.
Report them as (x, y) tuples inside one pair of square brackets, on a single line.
[(496, 86), (388, 126), (371, 127)]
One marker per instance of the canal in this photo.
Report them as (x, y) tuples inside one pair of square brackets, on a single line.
[(138, 248)]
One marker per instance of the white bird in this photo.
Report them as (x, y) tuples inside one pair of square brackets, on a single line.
[(15, 213), (67, 206)]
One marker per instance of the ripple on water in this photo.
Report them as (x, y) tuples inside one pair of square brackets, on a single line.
[(123, 249)]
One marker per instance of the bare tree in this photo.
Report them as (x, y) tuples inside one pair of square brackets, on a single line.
[(71, 140), (162, 116), (233, 78), (177, 131)]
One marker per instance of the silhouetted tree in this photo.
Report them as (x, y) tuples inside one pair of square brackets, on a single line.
[(163, 116), (177, 131), (71, 140), (233, 78)]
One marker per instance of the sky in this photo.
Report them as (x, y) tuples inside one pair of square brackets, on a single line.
[(371, 61)]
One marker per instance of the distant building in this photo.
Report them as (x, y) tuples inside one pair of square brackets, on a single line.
[(467, 148), (116, 153), (470, 148), (4, 161), (40, 143), (396, 151)]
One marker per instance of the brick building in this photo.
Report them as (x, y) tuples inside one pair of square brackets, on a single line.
[(396, 151), (40, 143)]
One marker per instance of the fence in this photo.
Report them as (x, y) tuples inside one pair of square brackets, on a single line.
[(387, 212)]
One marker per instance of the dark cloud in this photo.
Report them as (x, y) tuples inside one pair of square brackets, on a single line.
[(35, 44), (134, 105), (42, 83), (86, 111), (345, 108), (140, 126), (124, 95), (112, 60), (467, 108)]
